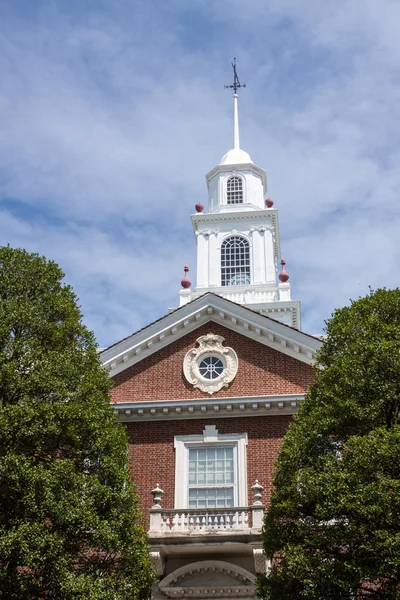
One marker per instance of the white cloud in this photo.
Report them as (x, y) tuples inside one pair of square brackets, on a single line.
[(111, 117)]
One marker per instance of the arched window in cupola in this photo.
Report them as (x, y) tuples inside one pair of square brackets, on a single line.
[(235, 261), (234, 190)]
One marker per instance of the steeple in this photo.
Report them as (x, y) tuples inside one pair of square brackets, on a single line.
[(238, 241)]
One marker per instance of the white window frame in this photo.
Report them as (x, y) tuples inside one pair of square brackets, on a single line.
[(229, 269), (209, 437), (227, 180)]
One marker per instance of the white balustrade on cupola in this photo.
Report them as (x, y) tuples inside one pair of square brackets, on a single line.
[(242, 519)]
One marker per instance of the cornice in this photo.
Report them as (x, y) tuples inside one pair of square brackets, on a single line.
[(260, 216), (207, 408), (208, 308), (239, 168)]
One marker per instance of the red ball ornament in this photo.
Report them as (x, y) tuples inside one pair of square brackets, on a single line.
[(283, 275), (269, 203), (186, 283), (199, 207)]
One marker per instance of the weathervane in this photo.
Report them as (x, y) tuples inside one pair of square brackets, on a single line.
[(236, 82)]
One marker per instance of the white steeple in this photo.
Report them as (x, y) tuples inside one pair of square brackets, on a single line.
[(238, 242)]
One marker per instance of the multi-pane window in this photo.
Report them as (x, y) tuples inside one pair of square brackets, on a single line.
[(234, 190), (211, 477), (211, 367), (235, 261)]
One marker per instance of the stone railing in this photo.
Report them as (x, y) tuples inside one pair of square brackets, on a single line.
[(206, 520), (243, 296)]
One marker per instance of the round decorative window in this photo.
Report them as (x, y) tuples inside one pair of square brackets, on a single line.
[(211, 367)]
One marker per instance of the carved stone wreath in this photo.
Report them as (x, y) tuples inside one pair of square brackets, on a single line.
[(210, 346)]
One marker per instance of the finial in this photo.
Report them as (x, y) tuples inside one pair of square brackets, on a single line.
[(283, 275), (157, 494), (236, 83), (186, 283), (257, 489), (269, 203), (199, 207)]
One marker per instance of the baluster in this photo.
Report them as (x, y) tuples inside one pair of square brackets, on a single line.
[(214, 521), (224, 520), (198, 522), (246, 519), (162, 522), (191, 521)]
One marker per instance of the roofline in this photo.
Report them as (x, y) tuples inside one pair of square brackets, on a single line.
[(176, 310)]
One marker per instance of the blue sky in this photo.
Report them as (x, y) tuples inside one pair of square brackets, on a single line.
[(112, 111)]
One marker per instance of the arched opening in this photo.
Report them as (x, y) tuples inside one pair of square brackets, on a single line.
[(235, 261)]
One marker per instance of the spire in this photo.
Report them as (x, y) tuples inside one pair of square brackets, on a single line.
[(235, 155), (236, 143)]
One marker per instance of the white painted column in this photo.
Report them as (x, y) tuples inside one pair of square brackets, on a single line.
[(202, 259), (258, 257), (269, 254), (214, 259)]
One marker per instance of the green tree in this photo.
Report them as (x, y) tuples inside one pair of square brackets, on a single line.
[(69, 520), (333, 525)]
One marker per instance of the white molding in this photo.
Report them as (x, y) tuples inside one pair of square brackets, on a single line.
[(173, 585), (262, 564), (259, 216), (210, 344), (210, 437), (204, 408), (157, 560), (190, 317)]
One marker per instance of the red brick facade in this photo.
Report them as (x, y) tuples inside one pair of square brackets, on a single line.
[(262, 371), (151, 450)]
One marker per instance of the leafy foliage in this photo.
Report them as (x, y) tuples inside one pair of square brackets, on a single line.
[(333, 526), (69, 521)]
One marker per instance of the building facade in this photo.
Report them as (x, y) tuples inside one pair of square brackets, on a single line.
[(207, 392)]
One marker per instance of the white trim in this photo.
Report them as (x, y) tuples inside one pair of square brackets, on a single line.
[(173, 585), (255, 216), (203, 565), (225, 186), (240, 167), (210, 345), (199, 312), (214, 408), (210, 437)]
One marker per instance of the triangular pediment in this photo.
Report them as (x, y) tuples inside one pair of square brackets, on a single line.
[(207, 308)]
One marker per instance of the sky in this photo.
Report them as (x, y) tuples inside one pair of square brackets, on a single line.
[(113, 111)]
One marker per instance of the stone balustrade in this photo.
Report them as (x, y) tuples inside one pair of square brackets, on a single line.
[(206, 520), (203, 520)]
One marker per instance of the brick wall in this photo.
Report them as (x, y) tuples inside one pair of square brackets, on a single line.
[(262, 370), (152, 454)]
